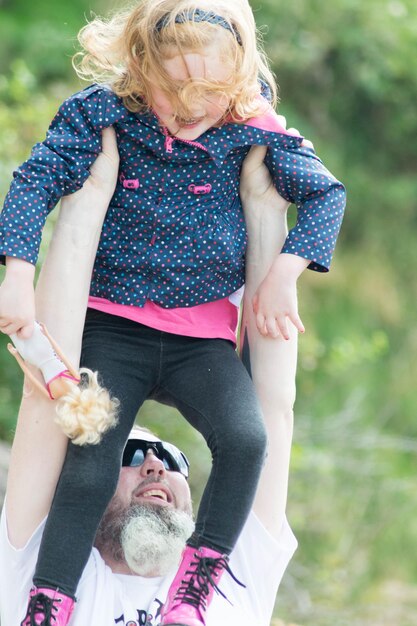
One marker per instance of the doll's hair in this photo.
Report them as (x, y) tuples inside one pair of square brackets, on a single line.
[(127, 51), (87, 410)]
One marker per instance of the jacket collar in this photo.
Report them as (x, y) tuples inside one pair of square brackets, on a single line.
[(220, 141)]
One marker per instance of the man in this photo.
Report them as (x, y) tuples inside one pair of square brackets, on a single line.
[(148, 520)]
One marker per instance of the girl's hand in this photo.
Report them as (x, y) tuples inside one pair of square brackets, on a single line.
[(17, 299), (275, 301), (273, 304)]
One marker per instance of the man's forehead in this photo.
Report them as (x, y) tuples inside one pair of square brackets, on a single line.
[(142, 434)]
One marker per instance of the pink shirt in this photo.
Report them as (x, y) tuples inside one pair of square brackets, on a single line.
[(211, 320)]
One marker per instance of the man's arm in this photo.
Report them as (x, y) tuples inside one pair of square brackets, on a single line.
[(39, 445), (272, 360)]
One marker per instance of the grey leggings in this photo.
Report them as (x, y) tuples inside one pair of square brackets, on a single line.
[(207, 382)]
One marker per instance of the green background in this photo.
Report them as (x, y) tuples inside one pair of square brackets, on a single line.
[(348, 80)]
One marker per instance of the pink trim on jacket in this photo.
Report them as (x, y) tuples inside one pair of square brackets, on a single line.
[(268, 121)]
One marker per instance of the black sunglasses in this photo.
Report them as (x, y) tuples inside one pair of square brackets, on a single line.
[(173, 459)]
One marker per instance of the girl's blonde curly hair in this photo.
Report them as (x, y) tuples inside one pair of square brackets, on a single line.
[(127, 50)]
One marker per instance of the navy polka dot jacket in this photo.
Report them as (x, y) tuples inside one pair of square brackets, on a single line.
[(174, 232)]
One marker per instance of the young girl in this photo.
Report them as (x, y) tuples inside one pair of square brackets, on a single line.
[(180, 83)]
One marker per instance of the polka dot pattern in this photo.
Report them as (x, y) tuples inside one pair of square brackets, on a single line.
[(161, 240)]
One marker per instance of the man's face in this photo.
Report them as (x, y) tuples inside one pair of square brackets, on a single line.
[(148, 520), (152, 483)]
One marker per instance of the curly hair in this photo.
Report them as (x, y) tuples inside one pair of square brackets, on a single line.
[(86, 411), (127, 50)]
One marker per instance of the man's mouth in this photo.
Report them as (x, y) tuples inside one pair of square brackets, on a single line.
[(155, 493)]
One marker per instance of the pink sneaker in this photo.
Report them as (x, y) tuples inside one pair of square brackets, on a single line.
[(48, 607), (193, 587)]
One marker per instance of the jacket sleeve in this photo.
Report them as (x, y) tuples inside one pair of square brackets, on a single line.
[(301, 178), (57, 166)]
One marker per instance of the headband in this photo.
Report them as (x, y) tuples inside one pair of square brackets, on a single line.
[(198, 15)]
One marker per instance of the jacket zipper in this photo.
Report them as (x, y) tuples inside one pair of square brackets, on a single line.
[(196, 144), (169, 140), (168, 143)]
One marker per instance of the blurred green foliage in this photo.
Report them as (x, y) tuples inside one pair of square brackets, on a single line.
[(348, 80)]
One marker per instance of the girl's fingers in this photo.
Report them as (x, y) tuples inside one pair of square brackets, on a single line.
[(25, 332), (296, 320), (19, 327), (272, 328), (283, 326), (261, 324), (9, 329)]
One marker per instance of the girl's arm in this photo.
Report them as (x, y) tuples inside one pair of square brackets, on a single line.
[(301, 178), (57, 166), (17, 305), (61, 299), (272, 361)]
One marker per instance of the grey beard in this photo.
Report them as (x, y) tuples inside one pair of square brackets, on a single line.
[(148, 537)]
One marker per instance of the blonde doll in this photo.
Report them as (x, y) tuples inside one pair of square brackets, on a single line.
[(84, 411), (180, 83)]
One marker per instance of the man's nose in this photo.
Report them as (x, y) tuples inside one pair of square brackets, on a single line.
[(152, 465)]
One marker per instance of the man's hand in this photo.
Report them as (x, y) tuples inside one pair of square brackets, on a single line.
[(255, 181), (103, 173)]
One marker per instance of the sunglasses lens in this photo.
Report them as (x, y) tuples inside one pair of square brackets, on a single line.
[(172, 458), (137, 458), (133, 455), (177, 458)]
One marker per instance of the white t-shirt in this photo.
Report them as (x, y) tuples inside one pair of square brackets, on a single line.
[(107, 599)]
